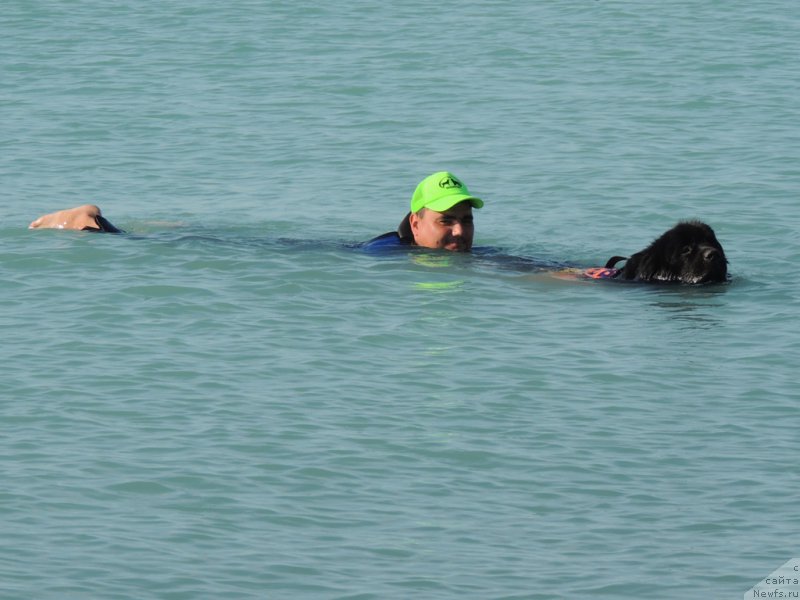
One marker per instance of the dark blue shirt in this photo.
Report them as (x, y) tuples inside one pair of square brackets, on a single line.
[(388, 242)]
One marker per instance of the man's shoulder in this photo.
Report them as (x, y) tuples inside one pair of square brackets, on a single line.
[(388, 241), (401, 238)]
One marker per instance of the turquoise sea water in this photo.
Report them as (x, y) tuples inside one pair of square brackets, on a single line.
[(205, 409)]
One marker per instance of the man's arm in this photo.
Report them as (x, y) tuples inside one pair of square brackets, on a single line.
[(87, 217)]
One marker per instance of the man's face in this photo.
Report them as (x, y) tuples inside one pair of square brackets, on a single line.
[(452, 229)]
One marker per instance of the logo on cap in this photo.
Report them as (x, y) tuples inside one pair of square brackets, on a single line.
[(449, 183)]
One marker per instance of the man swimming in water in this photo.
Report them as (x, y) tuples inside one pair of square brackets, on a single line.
[(440, 218)]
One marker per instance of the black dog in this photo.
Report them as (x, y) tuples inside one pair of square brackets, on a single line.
[(687, 253)]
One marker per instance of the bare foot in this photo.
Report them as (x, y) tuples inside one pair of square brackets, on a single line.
[(79, 217)]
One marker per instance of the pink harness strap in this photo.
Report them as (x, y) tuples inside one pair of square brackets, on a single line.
[(601, 273)]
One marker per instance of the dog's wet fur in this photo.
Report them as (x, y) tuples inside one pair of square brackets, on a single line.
[(687, 253)]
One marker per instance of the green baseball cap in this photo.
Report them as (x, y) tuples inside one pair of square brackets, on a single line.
[(440, 192)]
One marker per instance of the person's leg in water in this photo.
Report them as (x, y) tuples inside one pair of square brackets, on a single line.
[(84, 218)]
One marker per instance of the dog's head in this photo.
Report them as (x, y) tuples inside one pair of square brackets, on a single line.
[(687, 253)]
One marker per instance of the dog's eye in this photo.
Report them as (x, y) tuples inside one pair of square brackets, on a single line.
[(686, 251)]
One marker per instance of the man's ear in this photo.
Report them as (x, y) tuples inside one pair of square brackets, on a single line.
[(413, 221)]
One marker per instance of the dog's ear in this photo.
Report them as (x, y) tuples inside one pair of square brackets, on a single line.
[(614, 260)]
